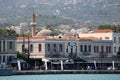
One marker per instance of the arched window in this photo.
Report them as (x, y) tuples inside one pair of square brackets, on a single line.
[(23, 48), (40, 48), (31, 48)]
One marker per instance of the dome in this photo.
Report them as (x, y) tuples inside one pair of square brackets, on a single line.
[(45, 32)]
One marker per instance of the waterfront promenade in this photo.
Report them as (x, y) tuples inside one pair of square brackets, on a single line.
[(34, 72)]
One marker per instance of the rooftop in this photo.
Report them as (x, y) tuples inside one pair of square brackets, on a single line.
[(103, 31)]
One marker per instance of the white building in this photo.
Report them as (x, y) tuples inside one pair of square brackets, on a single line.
[(21, 28), (7, 49), (105, 34), (63, 47)]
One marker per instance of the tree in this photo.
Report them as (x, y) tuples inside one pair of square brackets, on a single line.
[(115, 28)]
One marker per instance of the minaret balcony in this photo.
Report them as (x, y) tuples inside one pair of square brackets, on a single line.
[(33, 23)]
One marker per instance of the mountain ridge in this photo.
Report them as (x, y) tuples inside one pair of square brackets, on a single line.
[(89, 11)]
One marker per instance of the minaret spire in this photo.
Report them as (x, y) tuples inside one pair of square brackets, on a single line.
[(33, 23)]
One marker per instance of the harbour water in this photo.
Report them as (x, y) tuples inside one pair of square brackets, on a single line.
[(63, 77)]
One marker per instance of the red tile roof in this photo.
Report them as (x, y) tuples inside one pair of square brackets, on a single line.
[(103, 31)]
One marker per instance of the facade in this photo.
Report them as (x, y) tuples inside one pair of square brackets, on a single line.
[(93, 48), (106, 34), (46, 47), (7, 49)]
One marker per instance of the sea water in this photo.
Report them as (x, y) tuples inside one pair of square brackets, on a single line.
[(63, 77)]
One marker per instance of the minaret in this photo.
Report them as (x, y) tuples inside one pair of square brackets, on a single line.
[(33, 24)]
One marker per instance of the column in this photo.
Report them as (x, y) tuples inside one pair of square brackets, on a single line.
[(95, 65), (19, 65), (61, 62), (46, 68), (6, 45), (113, 65)]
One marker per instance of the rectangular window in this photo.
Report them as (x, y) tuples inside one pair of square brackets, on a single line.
[(55, 47), (89, 48), (102, 48), (3, 59), (3, 45), (114, 39), (114, 49), (0, 47), (109, 49), (119, 49), (85, 47), (106, 37), (10, 45), (81, 48), (97, 49), (119, 39), (48, 47), (23, 48), (60, 47)]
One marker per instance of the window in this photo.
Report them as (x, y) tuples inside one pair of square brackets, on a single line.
[(95, 49), (89, 48), (0, 46), (114, 49), (48, 47), (23, 48), (10, 45), (114, 39), (102, 48), (60, 47), (3, 59), (55, 47), (85, 48), (40, 47), (106, 37), (109, 49), (31, 48), (81, 48), (3, 45), (119, 39), (0, 60)]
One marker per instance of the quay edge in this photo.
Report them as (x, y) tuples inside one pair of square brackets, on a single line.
[(37, 72)]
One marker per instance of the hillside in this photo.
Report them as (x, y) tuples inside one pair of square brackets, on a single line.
[(89, 11)]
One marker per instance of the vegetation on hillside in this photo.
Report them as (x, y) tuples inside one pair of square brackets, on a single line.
[(7, 32), (115, 28)]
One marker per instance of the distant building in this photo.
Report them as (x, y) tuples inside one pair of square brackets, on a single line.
[(21, 28), (7, 49), (105, 34)]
